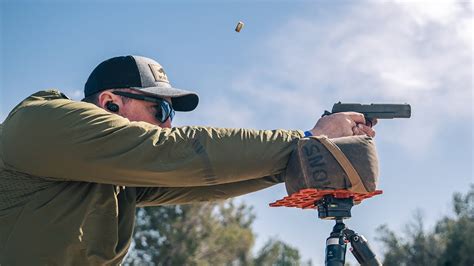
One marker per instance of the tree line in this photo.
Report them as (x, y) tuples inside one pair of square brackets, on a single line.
[(221, 234)]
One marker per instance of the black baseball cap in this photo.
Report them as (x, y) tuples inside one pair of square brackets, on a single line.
[(141, 74)]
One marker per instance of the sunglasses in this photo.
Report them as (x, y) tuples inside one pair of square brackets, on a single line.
[(164, 110)]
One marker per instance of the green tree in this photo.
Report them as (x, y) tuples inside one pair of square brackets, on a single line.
[(203, 234), (195, 234), (276, 252), (457, 234), (449, 244)]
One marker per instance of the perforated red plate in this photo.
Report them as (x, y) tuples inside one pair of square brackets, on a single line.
[(306, 198)]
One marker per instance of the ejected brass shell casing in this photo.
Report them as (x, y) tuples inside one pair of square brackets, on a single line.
[(239, 26)]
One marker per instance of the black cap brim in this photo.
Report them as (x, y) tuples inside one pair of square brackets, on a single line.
[(182, 100)]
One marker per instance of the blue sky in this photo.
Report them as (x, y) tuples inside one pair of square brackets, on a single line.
[(291, 61)]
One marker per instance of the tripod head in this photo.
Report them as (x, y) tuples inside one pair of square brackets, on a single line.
[(332, 208), (335, 205)]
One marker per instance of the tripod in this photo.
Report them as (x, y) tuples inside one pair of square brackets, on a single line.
[(332, 208)]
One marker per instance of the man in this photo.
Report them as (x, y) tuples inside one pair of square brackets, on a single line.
[(72, 174)]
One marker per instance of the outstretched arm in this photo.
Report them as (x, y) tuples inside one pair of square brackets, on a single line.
[(181, 195)]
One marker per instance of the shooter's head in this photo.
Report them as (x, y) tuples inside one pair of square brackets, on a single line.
[(137, 88)]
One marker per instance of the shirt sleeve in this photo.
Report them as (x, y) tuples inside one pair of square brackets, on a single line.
[(60, 139), (152, 196)]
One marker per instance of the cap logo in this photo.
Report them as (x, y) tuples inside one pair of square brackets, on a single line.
[(158, 73)]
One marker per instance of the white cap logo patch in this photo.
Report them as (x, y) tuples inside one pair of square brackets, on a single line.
[(158, 73)]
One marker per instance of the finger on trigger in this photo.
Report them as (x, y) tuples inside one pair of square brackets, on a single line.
[(369, 123), (372, 122)]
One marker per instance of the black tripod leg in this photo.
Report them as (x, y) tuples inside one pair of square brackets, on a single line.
[(361, 249), (336, 246)]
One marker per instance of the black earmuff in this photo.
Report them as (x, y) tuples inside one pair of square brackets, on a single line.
[(112, 107)]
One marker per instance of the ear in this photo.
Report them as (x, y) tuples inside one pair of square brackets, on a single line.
[(107, 96)]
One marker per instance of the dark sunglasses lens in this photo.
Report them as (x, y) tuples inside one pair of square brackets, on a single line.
[(163, 111), (159, 113)]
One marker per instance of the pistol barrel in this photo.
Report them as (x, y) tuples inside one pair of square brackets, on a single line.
[(383, 111)]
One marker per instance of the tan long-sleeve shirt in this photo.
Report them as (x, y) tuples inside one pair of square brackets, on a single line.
[(72, 174)]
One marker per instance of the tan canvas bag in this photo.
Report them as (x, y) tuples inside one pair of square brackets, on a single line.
[(349, 163)]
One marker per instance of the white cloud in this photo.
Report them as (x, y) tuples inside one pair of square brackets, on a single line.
[(440, 11), (400, 51)]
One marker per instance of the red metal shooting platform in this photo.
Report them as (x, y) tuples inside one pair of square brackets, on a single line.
[(306, 198)]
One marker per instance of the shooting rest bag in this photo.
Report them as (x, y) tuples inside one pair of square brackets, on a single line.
[(342, 163)]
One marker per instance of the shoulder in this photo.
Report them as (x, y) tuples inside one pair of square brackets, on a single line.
[(51, 110), (48, 102), (44, 95), (39, 98)]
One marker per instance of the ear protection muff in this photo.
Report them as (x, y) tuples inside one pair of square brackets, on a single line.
[(112, 107)]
